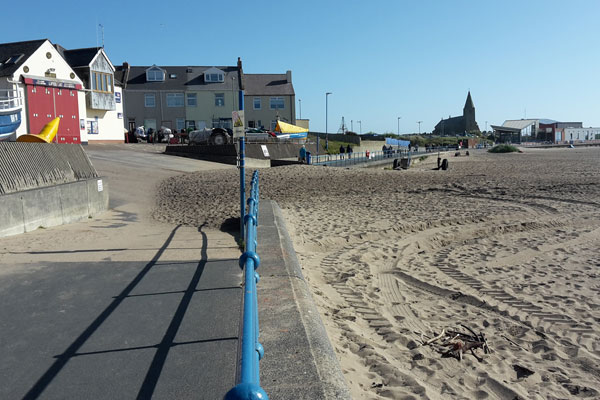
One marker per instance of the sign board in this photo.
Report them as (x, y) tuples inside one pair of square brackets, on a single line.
[(237, 117), (117, 97), (100, 187), (265, 150)]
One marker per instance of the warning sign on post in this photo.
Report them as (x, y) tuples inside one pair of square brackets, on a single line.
[(238, 123)]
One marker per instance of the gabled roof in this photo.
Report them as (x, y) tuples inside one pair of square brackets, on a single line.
[(79, 57), (8, 50), (182, 81), (267, 84)]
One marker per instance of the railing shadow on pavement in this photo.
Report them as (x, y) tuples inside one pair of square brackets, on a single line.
[(248, 387), (154, 371)]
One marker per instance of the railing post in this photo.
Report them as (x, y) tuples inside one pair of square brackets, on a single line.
[(242, 187)]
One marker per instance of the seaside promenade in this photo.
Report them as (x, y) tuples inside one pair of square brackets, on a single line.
[(122, 306)]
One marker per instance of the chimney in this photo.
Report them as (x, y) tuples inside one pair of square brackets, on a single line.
[(239, 64), (288, 76), (126, 69)]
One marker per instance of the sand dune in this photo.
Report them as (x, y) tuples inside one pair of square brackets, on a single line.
[(505, 244)]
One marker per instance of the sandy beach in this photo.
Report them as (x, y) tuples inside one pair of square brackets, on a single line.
[(505, 244)]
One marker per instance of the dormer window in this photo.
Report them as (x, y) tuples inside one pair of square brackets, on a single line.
[(155, 74), (214, 75)]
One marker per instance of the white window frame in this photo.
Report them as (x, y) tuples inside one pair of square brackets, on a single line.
[(148, 96), (175, 100), (191, 96), (219, 96), (274, 106), (259, 103), (155, 74), (180, 124)]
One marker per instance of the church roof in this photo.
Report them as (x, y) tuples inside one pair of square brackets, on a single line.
[(469, 102)]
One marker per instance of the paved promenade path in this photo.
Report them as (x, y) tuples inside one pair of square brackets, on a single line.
[(120, 307)]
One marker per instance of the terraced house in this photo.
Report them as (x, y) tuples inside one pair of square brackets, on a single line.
[(198, 97)]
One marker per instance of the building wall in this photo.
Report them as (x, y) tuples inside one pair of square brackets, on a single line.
[(160, 113), (206, 110), (265, 115), (37, 65), (110, 122), (581, 134)]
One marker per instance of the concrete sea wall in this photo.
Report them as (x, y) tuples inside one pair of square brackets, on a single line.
[(44, 185)]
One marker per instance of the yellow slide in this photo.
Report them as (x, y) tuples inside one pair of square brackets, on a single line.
[(45, 136)]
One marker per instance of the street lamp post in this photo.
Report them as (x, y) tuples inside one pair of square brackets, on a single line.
[(399, 118), (300, 103), (419, 122), (326, 114), (359, 127)]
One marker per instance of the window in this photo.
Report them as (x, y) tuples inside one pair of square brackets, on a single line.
[(259, 124), (190, 124), (214, 77), (155, 74), (192, 100), (219, 99), (276, 103), (180, 122), (102, 82), (174, 99), (257, 105), (172, 76), (149, 100), (251, 124)]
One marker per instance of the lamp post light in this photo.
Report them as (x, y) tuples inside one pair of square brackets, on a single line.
[(399, 118), (326, 114), (419, 122), (359, 127), (300, 103)]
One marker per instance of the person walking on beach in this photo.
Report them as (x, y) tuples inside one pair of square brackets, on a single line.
[(349, 151), (342, 151)]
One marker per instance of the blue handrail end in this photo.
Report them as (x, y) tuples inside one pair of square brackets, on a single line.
[(246, 391)]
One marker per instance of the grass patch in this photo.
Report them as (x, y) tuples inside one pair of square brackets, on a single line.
[(503, 148), (423, 158)]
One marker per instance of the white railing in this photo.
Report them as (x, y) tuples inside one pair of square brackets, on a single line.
[(10, 99)]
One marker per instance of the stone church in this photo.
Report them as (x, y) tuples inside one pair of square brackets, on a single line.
[(459, 125)]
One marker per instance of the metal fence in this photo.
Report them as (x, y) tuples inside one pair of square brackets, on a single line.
[(248, 386), (347, 159)]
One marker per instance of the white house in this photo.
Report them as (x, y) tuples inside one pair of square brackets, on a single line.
[(48, 87), (104, 97)]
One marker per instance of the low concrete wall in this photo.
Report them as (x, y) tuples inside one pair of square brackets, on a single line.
[(29, 210), (255, 157), (25, 166)]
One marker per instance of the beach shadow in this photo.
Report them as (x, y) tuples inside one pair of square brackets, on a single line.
[(232, 227)]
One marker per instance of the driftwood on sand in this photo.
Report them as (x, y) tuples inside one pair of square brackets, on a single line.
[(454, 343)]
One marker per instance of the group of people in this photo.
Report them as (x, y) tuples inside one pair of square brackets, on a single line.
[(346, 150)]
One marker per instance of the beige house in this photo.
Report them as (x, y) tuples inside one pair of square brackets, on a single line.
[(269, 98)]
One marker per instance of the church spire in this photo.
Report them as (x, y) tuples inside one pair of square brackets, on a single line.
[(469, 102)]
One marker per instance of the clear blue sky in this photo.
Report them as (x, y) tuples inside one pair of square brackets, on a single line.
[(381, 59)]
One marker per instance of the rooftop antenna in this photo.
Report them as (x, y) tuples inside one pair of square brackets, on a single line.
[(102, 28)]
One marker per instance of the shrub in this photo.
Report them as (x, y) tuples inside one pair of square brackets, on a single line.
[(503, 148)]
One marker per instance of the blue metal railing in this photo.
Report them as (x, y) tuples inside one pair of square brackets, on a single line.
[(342, 160), (248, 387)]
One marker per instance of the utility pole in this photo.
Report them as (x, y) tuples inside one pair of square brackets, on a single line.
[(419, 122), (399, 118), (359, 127), (300, 103)]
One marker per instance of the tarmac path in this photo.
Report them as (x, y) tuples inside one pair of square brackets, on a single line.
[(121, 306)]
